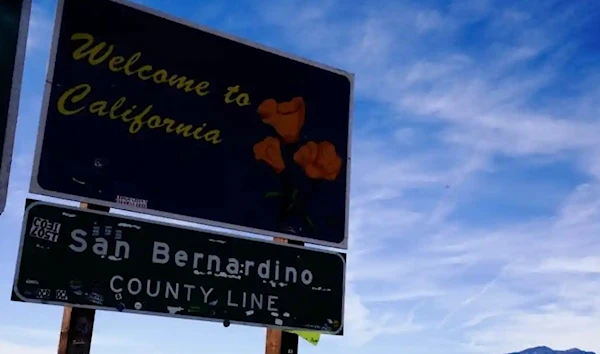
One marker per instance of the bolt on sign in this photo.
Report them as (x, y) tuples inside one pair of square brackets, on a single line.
[(147, 113), (14, 22), (92, 259)]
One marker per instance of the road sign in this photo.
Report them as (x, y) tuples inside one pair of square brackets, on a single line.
[(146, 113), (93, 259), (14, 22)]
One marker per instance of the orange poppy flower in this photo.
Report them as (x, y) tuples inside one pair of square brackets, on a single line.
[(319, 160), (269, 151), (286, 117)]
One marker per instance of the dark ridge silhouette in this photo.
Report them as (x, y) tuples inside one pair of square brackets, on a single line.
[(546, 350)]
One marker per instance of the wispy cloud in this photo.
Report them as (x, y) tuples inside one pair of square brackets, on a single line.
[(475, 213), (453, 95), (40, 28), (101, 340), (26, 340), (11, 347)]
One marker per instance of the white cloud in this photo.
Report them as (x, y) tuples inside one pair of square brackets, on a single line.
[(35, 340), (40, 28), (13, 348), (437, 120), (362, 326), (498, 287)]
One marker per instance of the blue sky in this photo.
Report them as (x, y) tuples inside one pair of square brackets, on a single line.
[(475, 206)]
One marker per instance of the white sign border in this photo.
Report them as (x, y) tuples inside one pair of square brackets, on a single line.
[(35, 188), (132, 311)]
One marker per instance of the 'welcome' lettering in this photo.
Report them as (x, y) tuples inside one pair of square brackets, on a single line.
[(98, 53)]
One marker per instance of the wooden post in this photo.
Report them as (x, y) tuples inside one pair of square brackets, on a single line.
[(76, 331), (280, 342), (78, 323)]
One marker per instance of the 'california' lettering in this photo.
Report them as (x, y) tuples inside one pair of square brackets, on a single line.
[(75, 100), (98, 53)]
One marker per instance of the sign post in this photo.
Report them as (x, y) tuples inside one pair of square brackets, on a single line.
[(278, 341), (14, 23), (78, 323), (76, 331), (281, 342)]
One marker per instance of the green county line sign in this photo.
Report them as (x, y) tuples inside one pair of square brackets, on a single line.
[(83, 258), (155, 116), (14, 21)]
